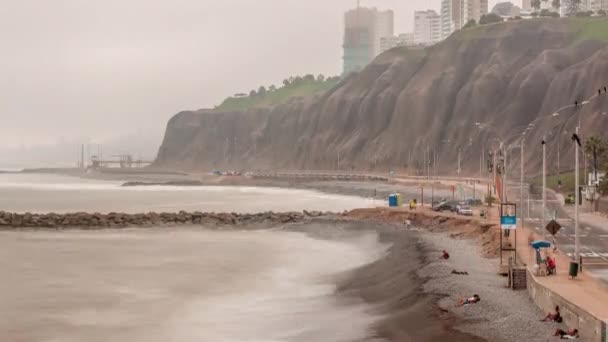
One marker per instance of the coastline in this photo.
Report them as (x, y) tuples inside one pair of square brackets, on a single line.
[(415, 291), (410, 286)]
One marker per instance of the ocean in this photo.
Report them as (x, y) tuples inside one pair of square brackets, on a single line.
[(60, 194), (186, 284)]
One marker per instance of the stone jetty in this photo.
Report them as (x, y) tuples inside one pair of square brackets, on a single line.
[(83, 220)]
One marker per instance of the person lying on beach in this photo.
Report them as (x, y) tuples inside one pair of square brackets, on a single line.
[(461, 273), (553, 317), (445, 255), (566, 335), (467, 301)]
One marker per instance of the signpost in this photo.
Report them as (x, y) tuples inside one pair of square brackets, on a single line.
[(508, 216), (508, 223)]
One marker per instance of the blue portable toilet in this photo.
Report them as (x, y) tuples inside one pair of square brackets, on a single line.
[(393, 200)]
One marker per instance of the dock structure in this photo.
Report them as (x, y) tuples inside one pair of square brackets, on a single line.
[(123, 161)]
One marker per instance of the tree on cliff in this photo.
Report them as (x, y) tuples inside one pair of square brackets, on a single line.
[(262, 91), (573, 6), (547, 13), (597, 149), (470, 23), (557, 4), (489, 19)]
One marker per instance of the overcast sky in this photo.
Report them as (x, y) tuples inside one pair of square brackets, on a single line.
[(74, 69)]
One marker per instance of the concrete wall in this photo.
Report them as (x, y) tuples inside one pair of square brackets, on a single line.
[(591, 328)]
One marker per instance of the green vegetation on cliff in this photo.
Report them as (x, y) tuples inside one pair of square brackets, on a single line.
[(591, 29), (292, 87)]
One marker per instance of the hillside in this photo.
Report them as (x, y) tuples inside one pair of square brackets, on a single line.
[(407, 102), (292, 88)]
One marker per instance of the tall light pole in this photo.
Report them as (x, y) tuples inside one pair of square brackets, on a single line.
[(504, 173), (521, 180), (459, 163), (577, 195), (544, 186)]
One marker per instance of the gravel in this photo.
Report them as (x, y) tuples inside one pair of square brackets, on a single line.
[(502, 314)]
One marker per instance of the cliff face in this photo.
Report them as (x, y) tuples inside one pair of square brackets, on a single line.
[(408, 102)]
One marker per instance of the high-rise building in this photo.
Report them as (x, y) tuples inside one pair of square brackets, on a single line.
[(385, 27), (456, 13), (596, 5), (427, 27), (451, 17), (363, 30), (473, 10)]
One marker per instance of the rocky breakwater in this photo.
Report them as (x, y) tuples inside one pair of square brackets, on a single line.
[(83, 220)]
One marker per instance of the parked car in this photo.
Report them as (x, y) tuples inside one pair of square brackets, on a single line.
[(465, 211), (445, 206), (570, 199)]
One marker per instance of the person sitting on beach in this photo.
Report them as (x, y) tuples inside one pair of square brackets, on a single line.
[(553, 317), (467, 301), (550, 265), (566, 335), (445, 255)]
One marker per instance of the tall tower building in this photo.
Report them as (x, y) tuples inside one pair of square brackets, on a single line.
[(456, 13), (473, 10), (364, 29), (451, 17)]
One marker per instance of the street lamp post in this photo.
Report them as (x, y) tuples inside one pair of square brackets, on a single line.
[(459, 163), (577, 195), (544, 186), (521, 180)]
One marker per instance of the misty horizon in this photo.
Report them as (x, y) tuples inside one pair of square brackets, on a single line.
[(98, 72)]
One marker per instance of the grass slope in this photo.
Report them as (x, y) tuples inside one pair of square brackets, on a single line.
[(278, 96)]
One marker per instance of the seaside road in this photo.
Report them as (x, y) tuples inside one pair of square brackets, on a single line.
[(593, 234)]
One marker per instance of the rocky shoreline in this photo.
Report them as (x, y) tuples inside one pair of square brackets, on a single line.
[(83, 220)]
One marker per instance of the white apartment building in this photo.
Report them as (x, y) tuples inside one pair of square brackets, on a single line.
[(404, 39), (585, 5), (456, 13), (473, 10), (595, 5), (451, 17), (526, 5), (385, 27), (427, 27)]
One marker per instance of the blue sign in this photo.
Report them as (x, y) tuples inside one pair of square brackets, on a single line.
[(508, 216), (508, 222)]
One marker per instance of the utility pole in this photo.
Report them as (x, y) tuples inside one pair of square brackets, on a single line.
[(542, 224), (428, 165), (338, 159), (435, 164), (559, 137), (494, 171), (481, 164), (459, 163), (521, 181), (577, 198), (504, 173), (82, 163)]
